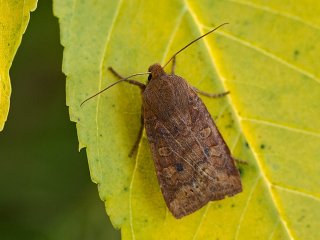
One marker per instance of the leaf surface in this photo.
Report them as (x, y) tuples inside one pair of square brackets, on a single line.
[(267, 58), (14, 18)]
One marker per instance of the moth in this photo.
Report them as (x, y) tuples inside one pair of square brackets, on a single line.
[(192, 161)]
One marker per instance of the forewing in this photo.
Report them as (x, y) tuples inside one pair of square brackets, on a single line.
[(192, 161)]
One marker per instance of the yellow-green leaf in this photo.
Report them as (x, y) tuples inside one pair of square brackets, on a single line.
[(14, 18), (268, 57)]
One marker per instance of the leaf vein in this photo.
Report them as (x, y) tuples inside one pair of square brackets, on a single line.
[(130, 197), (270, 55), (279, 125), (246, 206), (275, 12), (173, 34), (102, 62), (274, 230), (296, 192), (201, 221)]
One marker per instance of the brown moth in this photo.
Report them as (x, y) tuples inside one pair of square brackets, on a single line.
[(193, 163)]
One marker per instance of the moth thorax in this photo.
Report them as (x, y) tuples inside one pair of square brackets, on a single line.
[(156, 70)]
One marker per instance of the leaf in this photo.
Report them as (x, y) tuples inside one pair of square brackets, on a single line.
[(14, 18), (267, 57)]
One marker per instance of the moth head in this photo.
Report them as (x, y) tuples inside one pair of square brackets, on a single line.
[(156, 71)]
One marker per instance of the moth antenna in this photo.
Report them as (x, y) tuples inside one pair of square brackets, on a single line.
[(111, 85), (194, 42)]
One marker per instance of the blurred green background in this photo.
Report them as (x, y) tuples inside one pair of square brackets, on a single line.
[(45, 187)]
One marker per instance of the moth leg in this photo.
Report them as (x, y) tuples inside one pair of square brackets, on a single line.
[(136, 143), (173, 65), (240, 161), (133, 82), (212, 95), (142, 87)]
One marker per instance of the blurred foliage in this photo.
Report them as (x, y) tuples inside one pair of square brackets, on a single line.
[(14, 18), (46, 191)]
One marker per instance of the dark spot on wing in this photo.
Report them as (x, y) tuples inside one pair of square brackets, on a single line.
[(179, 167), (206, 151)]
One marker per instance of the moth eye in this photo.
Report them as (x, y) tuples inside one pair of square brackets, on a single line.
[(149, 77)]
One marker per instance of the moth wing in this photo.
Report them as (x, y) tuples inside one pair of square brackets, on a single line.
[(192, 161)]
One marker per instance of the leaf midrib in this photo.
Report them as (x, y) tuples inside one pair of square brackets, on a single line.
[(238, 120)]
